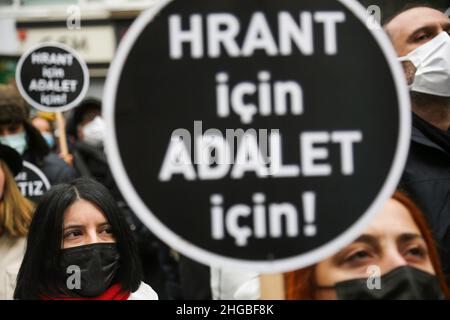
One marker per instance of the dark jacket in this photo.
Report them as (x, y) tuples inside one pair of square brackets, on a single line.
[(39, 154), (54, 168), (426, 179), (90, 161)]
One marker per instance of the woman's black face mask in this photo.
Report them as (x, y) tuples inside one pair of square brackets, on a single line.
[(97, 265), (403, 283)]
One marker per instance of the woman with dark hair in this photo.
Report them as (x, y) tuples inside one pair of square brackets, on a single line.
[(79, 246), (394, 258)]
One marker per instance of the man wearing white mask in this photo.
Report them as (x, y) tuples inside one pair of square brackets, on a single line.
[(86, 130), (421, 38)]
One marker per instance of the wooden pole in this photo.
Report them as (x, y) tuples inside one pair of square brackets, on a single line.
[(272, 286), (61, 124)]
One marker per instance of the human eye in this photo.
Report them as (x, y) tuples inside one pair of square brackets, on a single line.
[(423, 36), (357, 256), (72, 234), (107, 229), (13, 128), (416, 252)]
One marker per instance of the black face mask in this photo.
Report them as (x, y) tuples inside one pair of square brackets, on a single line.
[(403, 283), (98, 265)]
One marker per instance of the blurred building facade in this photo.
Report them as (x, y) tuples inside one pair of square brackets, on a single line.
[(92, 27)]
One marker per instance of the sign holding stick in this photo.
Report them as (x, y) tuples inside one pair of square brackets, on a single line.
[(271, 132), (61, 124)]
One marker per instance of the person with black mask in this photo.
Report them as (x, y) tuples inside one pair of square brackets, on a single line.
[(393, 259), (80, 247), (86, 131), (17, 132)]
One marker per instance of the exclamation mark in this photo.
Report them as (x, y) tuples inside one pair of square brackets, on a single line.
[(309, 213)]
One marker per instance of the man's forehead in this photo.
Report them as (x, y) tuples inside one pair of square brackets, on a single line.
[(413, 19)]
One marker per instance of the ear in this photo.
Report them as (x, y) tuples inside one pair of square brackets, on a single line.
[(410, 71)]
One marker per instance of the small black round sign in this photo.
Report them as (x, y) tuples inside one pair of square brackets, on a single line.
[(32, 182), (258, 134), (52, 77)]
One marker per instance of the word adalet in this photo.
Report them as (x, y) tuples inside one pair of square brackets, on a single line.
[(215, 159)]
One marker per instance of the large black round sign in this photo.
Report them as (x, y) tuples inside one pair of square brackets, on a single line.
[(259, 134), (52, 77)]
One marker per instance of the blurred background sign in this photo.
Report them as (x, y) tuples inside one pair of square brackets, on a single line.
[(95, 44), (32, 182)]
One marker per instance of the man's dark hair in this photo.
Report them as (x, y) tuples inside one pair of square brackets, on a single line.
[(77, 116), (40, 274), (87, 105)]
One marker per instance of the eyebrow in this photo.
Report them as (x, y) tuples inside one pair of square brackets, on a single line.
[(103, 224), (407, 237), (74, 226), (368, 239)]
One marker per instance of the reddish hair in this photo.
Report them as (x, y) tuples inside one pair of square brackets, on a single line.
[(300, 284)]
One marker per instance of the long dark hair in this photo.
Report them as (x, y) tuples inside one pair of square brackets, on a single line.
[(38, 275)]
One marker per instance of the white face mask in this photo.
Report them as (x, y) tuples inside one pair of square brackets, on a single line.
[(94, 132), (17, 141), (432, 61)]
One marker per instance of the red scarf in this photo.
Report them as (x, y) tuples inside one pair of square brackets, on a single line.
[(112, 293)]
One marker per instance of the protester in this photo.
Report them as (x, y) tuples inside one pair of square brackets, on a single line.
[(15, 218), (17, 132), (86, 131), (397, 245), (45, 127), (79, 233), (421, 38), (44, 122)]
